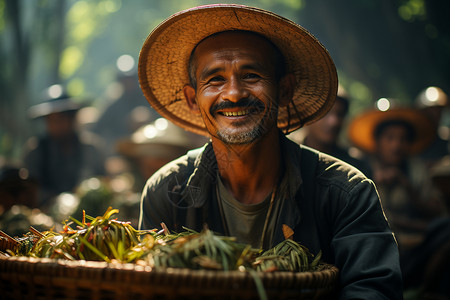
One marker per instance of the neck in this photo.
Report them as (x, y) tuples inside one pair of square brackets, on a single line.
[(251, 171)]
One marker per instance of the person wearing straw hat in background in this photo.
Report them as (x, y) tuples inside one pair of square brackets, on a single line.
[(245, 77), (391, 138), (153, 145), (63, 156), (148, 149), (432, 102), (324, 134)]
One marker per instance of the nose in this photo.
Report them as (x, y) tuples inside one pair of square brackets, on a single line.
[(234, 90)]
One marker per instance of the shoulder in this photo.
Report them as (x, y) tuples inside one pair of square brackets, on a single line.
[(175, 168), (35, 145), (165, 190), (333, 172), (176, 172)]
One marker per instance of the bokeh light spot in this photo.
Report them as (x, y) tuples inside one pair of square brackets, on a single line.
[(71, 60), (161, 124), (125, 63), (55, 91), (150, 131), (383, 104), (432, 94)]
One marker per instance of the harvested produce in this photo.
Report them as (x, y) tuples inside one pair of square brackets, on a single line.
[(106, 239), (287, 256)]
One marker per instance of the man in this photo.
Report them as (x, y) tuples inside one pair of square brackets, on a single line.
[(63, 156), (433, 102), (392, 137), (242, 76)]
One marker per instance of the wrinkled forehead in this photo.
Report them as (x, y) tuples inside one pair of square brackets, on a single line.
[(238, 39)]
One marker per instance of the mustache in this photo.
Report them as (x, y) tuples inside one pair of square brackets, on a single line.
[(243, 103)]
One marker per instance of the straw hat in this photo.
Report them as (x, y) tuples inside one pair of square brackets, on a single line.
[(160, 139), (362, 128), (164, 59)]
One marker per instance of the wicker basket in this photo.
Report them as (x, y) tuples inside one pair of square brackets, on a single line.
[(6, 244), (38, 278)]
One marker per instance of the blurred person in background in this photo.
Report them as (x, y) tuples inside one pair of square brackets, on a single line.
[(391, 138), (153, 146), (143, 153), (126, 109), (63, 156), (426, 268), (432, 102), (324, 134)]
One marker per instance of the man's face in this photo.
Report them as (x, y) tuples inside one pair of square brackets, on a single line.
[(393, 145), (327, 129), (237, 90), (60, 125)]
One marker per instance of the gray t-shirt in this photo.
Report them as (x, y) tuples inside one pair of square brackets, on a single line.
[(246, 221)]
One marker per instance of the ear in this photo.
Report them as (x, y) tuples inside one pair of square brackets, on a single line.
[(286, 92), (189, 94)]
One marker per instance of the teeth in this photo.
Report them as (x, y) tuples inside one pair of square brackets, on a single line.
[(235, 113)]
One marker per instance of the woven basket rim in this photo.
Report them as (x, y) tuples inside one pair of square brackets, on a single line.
[(50, 277), (327, 275)]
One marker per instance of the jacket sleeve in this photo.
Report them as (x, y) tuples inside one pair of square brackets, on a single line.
[(156, 202), (365, 250)]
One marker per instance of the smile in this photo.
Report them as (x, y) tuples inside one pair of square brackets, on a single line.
[(235, 113)]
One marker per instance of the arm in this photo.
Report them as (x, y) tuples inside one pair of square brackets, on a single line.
[(364, 247), (155, 207)]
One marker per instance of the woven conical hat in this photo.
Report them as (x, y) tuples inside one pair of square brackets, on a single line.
[(362, 128), (164, 59)]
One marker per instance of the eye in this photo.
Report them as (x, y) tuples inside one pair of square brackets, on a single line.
[(216, 79), (251, 76)]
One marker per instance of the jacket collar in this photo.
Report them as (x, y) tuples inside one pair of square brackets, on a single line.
[(204, 177)]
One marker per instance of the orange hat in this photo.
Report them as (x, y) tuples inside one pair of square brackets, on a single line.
[(362, 128)]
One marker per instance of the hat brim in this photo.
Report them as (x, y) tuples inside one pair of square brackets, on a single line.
[(164, 59), (54, 106), (362, 129)]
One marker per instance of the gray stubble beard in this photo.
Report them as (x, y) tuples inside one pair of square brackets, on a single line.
[(241, 138)]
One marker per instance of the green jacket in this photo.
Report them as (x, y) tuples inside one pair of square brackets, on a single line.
[(330, 205)]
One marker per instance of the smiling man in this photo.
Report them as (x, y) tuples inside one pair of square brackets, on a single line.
[(237, 91), (245, 77)]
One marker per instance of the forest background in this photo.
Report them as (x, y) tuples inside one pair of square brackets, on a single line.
[(381, 48)]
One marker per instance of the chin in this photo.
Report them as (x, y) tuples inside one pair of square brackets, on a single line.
[(232, 137)]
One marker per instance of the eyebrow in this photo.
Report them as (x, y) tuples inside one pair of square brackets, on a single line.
[(250, 66), (254, 66), (208, 72)]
